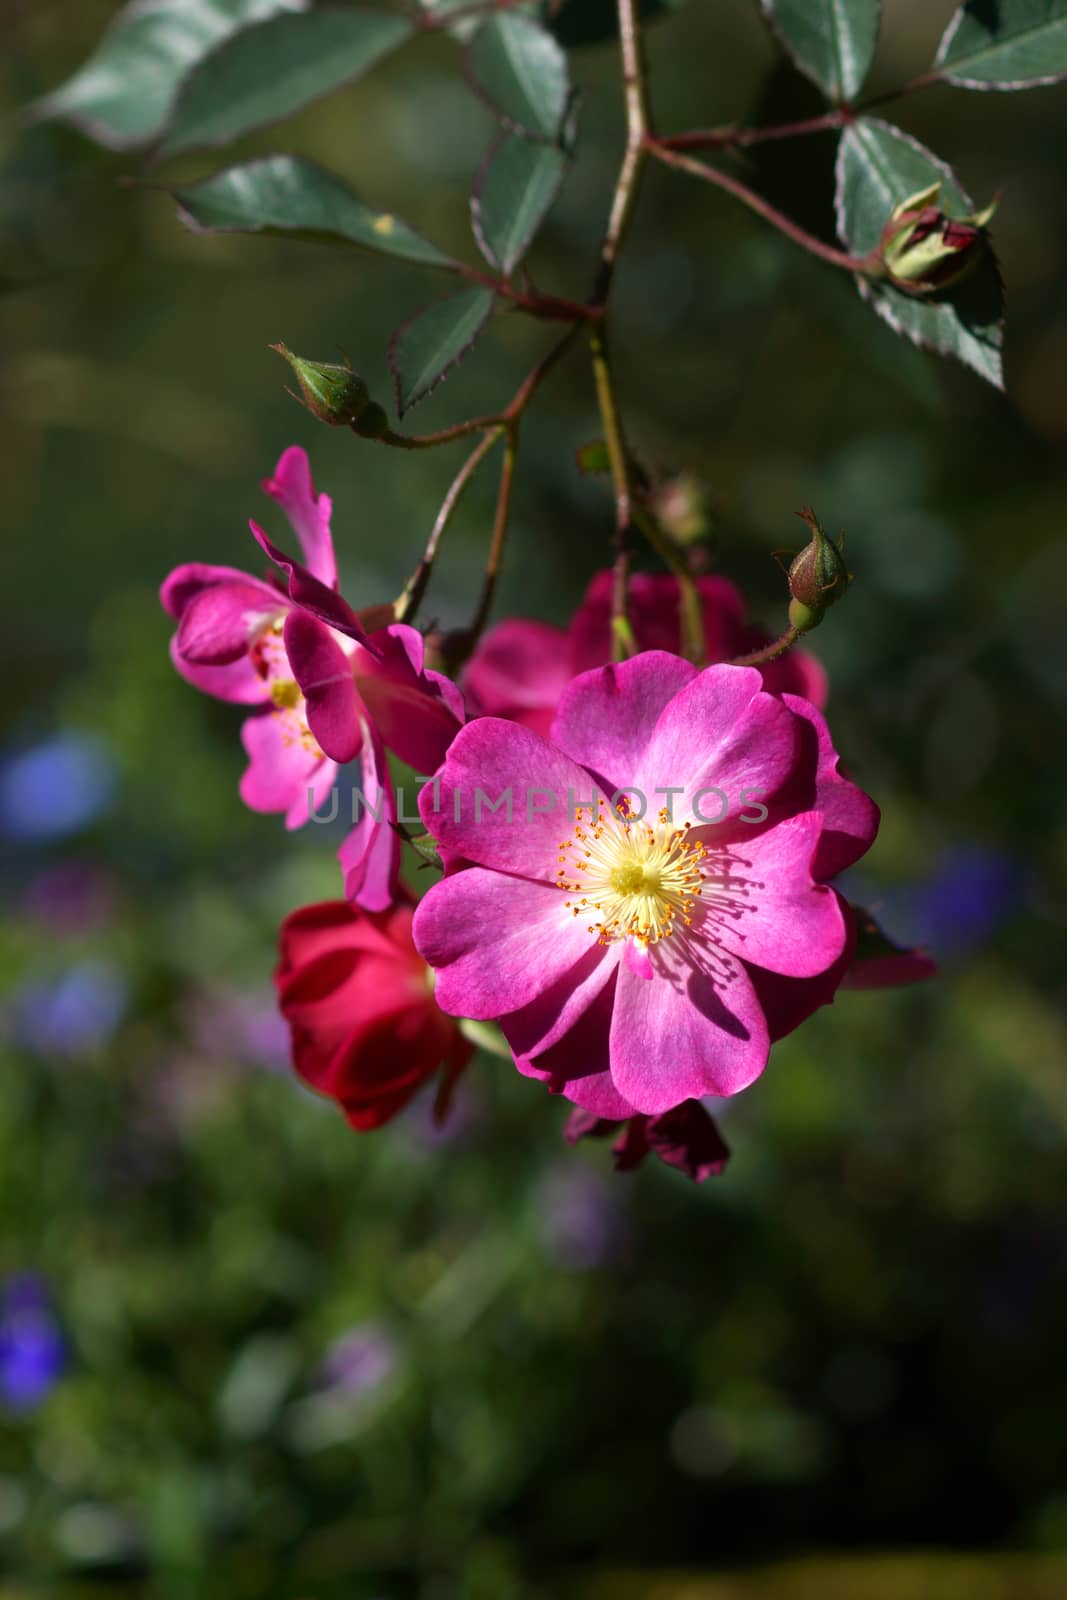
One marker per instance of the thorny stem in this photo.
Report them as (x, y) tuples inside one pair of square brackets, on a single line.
[(732, 137), (769, 652), (866, 265), (499, 535), (415, 588)]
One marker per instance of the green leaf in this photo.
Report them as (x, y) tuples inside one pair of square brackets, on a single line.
[(522, 72), (1013, 44), (832, 41), (878, 166), (123, 93), (513, 193), (290, 196), (423, 350), (269, 71)]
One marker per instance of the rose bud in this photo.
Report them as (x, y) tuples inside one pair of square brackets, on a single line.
[(818, 577), (334, 394), (924, 250)]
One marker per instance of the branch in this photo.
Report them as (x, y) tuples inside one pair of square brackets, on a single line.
[(865, 265), (769, 652)]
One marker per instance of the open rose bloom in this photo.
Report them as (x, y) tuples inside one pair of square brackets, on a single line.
[(638, 961), (638, 858)]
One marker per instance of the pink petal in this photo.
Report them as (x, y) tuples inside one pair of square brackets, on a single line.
[(760, 902), (489, 761), (684, 1035), (186, 582), (282, 769), (324, 673), (370, 856), (222, 622), (238, 681), (850, 817), (309, 515), (496, 943), (606, 717), (719, 733)]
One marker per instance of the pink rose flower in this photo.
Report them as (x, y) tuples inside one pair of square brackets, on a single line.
[(520, 669), (637, 962), (324, 690)]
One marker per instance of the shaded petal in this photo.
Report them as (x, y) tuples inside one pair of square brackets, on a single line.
[(655, 616), (689, 1139), (417, 712), (223, 621), (308, 591), (308, 513), (787, 1002), (761, 902), (518, 671), (541, 1024), (684, 1035), (324, 673), (850, 817), (490, 760), (606, 717), (577, 1065), (496, 943)]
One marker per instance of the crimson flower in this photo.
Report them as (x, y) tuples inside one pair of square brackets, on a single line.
[(366, 1030)]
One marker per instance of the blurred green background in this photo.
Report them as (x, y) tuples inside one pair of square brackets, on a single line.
[(268, 1357)]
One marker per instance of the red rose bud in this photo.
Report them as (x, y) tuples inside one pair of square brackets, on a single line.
[(924, 250), (818, 577), (334, 394), (358, 998)]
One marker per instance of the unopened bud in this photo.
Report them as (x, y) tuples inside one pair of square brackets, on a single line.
[(923, 249), (334, 394), (818, 577)]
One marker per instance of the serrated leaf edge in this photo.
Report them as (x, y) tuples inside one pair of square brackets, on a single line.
[(476, 208), (997, 86), (474, 83), (394, 363)]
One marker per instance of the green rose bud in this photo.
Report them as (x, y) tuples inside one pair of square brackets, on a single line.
[(334, 394), (818, 576), (924, 250)]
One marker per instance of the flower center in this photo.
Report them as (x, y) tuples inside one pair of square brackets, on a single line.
[(636, 880), (287, 699)]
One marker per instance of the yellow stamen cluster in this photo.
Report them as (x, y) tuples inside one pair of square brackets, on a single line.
[(634, 879)]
